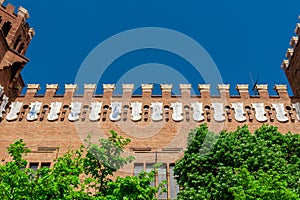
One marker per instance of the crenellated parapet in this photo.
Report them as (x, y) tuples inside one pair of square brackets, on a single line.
[(147, 91), (147, 107), (16, 25)]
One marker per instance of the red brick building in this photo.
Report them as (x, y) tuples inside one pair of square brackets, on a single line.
[(158, 126)]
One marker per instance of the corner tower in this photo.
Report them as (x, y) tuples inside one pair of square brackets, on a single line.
[(291, 65), (15, 36)]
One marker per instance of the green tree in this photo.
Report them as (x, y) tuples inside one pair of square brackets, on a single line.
[(240, 165), (78, 174)]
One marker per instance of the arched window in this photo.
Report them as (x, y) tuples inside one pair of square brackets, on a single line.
[(6, 28)]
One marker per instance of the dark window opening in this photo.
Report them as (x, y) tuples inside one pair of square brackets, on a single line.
[(268, 108), (33, 166), (45, 108), (289, 108), (206, 108), (25, 107), (105, 108), (6, 28)]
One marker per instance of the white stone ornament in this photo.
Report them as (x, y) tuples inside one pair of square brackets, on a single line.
[(177, 111), (1, 90), (54, 111), (296, 106), (136, 111), (239, 113), (75, 111), (156, 114), (3, 105), (198, 111), (280, 112), (260, 112), (95, 111), (34, 111), (15, 108), (219, 114), (115, 114)]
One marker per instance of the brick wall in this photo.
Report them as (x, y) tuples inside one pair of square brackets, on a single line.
[(145, 134)]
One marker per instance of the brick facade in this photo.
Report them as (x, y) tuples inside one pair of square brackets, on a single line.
[(152, 141)]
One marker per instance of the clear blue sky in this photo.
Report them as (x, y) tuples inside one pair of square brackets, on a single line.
[(240, 36)]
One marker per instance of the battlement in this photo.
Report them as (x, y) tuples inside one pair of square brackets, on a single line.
[(15, 30), (10, 9), (166, 91)]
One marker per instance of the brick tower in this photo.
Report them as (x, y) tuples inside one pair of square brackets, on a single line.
[(15, 36), (291, 66)]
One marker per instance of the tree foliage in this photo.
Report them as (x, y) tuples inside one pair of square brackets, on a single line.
[(240, 165), (79, 174)]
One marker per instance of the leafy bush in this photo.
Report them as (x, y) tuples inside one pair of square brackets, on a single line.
[(240, 165)]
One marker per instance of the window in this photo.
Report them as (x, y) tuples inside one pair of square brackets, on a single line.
[(174, 187), (33, 166), (138, 168), (164, 173), (47, 165), (162, 176), (6, 28), (149, 167)]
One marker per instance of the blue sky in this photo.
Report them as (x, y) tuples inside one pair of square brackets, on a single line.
[(240, 36)]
